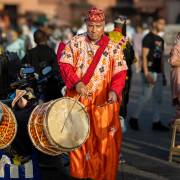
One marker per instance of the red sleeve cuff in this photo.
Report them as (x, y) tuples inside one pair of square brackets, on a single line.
[(118, 82), (60, 50)]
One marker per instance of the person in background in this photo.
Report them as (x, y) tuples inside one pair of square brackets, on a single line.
[(42, 56), (137, 45), (22, 105), (118, 36), (146, 28), (9, 71), (152, 75), (130, 29), (175, 76), (4, 29), (17, 43), (67, 36)]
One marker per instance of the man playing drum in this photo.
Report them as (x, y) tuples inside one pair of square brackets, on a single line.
[(93, 65)]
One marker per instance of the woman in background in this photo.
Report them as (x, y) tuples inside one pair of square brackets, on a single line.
[(175, 75)]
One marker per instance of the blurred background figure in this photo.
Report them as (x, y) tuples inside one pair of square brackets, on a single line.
[(41, 57), (152, 75), (82, 29), (137, 45), (23, 104), (118, 35), (174, 61), (66, 37), (17, 43), (146, 29), (9, 70), (41, 53), (27, 34), (130, 29), (4, 28)]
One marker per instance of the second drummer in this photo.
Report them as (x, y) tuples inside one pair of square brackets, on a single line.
[(23, 104)]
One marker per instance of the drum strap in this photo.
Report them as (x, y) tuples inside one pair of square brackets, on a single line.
[(90, 71)]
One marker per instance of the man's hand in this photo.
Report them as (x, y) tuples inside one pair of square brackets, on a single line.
[(81, 89), (149, 79), (112, 97)]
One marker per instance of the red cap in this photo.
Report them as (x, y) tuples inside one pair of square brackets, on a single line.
[(95, 15)]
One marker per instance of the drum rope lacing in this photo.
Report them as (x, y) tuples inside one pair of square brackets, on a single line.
[(39, 144), (40, 138)]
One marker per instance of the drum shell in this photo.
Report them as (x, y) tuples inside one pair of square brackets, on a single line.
[(8, 126), (37, 133)]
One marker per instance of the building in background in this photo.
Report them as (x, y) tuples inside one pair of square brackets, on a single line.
[(67, 11), (167, 8), (73, 11)]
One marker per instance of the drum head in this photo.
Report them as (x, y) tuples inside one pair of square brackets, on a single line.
[(8, 126), (67, 130)]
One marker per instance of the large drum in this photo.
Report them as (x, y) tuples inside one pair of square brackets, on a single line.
[(59, 126), (8, 126)]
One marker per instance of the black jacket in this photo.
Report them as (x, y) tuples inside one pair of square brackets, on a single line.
[(40, 55)]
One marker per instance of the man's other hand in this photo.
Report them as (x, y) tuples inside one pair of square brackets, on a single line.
[(112, 97)]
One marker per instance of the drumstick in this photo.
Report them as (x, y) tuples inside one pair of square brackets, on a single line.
[(70, 112)]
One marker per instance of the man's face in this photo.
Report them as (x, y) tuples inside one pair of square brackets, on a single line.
[(160, 25), (95, 30)]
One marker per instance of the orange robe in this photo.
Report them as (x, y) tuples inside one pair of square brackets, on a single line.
[(98, 157)]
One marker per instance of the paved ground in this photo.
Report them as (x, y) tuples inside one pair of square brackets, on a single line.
[(146, 152)]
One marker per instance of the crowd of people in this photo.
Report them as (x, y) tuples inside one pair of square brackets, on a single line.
[(93, 61)]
